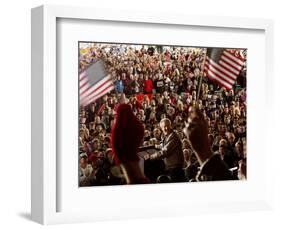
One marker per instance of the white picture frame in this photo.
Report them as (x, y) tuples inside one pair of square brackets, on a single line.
[(45, 91)]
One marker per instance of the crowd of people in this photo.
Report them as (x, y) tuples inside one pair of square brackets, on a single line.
[(160, 83)]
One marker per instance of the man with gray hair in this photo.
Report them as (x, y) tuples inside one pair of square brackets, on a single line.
[(170, 151)]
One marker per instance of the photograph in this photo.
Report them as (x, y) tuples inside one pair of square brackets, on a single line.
[(151, 113)]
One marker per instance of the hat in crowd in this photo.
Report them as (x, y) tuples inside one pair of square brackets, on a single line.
[(83, 155), (108, 150)]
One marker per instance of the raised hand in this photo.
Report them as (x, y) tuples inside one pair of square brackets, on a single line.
[(197, 132)]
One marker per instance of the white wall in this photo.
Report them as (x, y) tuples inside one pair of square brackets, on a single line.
[(15, 111)]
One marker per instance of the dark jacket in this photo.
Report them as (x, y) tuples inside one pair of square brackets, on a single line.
[(214, 169), (171, 151)]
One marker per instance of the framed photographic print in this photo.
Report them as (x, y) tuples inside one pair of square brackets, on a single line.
[(141, 114)]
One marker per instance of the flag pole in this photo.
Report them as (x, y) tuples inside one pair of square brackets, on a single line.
[(200, 80)]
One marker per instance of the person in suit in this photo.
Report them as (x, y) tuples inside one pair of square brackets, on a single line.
[(171, 152)]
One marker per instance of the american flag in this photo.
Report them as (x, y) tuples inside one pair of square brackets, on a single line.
[(94, 82), (224, 65)]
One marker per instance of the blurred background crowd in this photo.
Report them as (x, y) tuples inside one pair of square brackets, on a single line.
[(159, 82)]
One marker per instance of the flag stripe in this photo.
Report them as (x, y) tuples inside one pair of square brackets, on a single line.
[(83, 83), (222, 69), (102, 93), (84, 80), (97, 94), (95, 88), (228, 67), (238, 57), (225, 84), (82, 75), (95, 91), (233, 58), (220, 74), (222, 66), (88, 89), (231, 63), (94, 82)]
